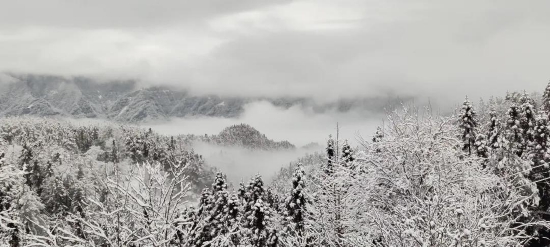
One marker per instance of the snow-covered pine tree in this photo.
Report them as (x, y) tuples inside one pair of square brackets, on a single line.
[(201, 230), (219, 216), (256, 216), (241, 193), (224, 216), (347, 153), (494, 130), (527, 120), (172, 144), (295, 203), (12, 180), (330, 155), (540, 157), (256, 222), (272, 199), (233, 219), (183, 226), (26, 157), (514, 135), (114, 153), (545, 107), (539, 153), (378, 135), (220, 183), (255, 189), (83, 139), (468, 123), (481, 146)]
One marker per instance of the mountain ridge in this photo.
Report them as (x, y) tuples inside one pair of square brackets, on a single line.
[(125, 101)]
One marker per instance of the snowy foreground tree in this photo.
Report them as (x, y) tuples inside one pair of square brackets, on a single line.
[(416, 188)]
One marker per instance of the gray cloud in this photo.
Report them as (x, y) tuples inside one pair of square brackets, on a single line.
[(123, 14), (441, 50)]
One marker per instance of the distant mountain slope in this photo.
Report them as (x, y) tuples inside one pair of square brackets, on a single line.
[(117, 100), (123, 101), (242, 135)]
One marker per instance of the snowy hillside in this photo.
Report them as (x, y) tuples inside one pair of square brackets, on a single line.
[(124, 101)]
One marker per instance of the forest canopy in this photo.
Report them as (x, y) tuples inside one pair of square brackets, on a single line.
[(478, 177)]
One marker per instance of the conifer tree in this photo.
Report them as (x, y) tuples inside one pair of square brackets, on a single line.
[(545, 107), (539, 156), (295, 204), (255, 189), (220, 183), (233, 218), (114, 153), (378, 135), (481, 146), (539, 153), (26, 156), (257, 215), (241, 194), (330, 155), (468, 123), (347, 153), (172, 144), (218, 219), (201, 230), (494, 130), (527, 120), (26, 163), (256, 221), (514, 135), (272, 199)]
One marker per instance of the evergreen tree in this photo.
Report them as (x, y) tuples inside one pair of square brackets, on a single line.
[(255, 189), (494, 130), (241, 194), (468, 123), (540, 157), (256, 215), (527, 120), (539, 153), (201, 230), (219, 216), (26, 156), (514, 135), (233, 218), (83, 140), (256, 222), (545, 107), (330, 155), (295, 204), (114, 153), (172, 144), (27, 163), (347, 153), (219, 183), (378, 135), (272, 199), (481, 146)]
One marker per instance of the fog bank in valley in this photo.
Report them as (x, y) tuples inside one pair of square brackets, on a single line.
[(300, 126)]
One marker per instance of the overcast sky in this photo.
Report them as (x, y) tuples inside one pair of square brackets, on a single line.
[(324, 49)]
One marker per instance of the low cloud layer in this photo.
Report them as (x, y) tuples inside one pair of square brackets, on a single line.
[(240, 164), (298, 125), (441, 50)]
